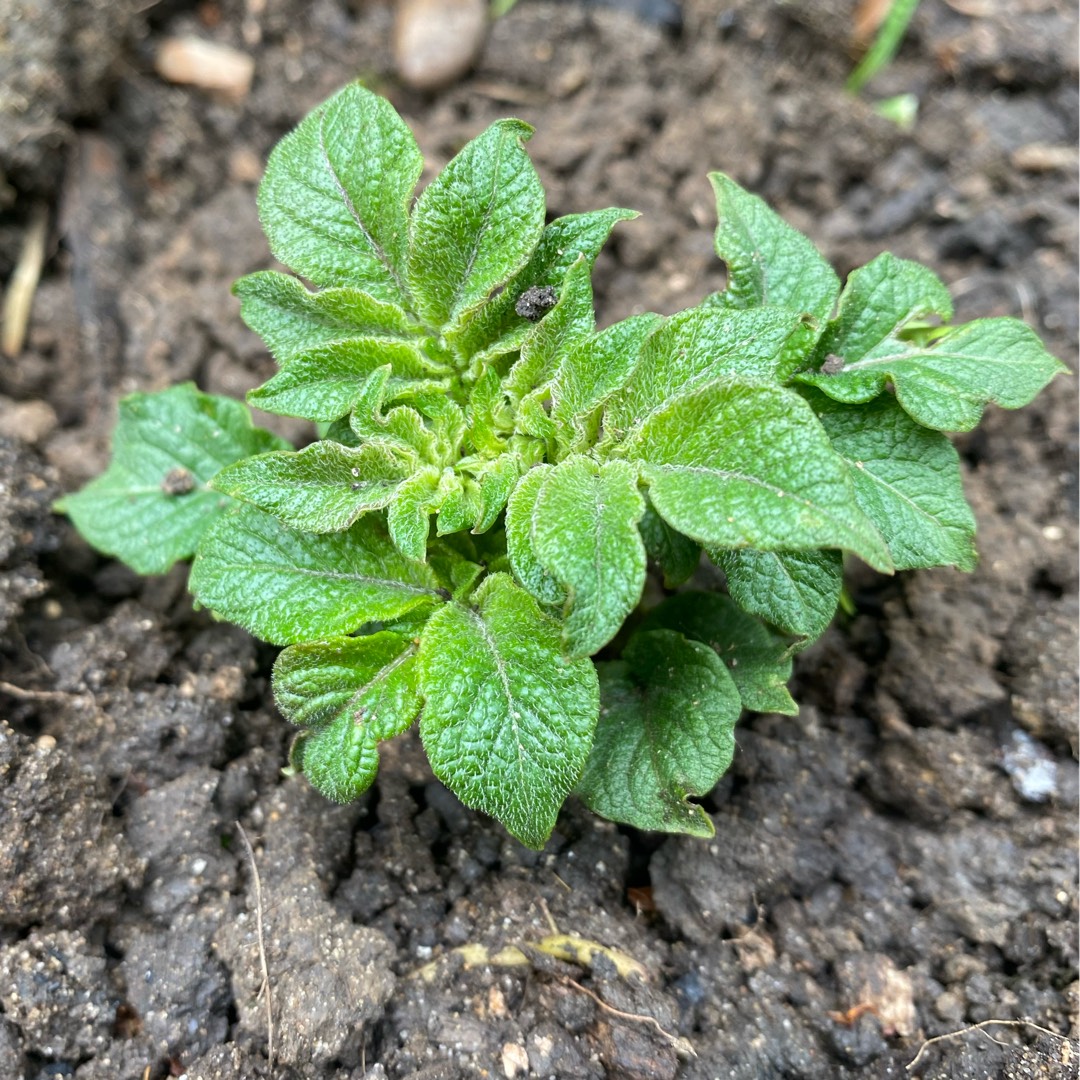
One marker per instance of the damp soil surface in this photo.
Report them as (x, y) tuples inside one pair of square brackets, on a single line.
[(896, 863)]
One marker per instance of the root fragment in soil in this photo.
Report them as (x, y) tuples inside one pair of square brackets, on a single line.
[(1066, 1045), (683, 1047), (265, 988), (19, 298)]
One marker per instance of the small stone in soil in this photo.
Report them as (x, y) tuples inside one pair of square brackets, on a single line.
[(208, 65), (1030, 766), (437, 41)]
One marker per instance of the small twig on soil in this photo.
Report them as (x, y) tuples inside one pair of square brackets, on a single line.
[(552, 925), (981, 1026), (262, 948), (19, 297), (851, 1015), (683, 1047)]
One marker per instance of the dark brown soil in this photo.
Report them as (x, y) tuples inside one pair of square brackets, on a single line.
[(896, 863)]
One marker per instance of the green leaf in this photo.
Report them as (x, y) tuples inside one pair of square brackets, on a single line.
[(947, 383), (475, 224), (402, 427), (532, 420), (457, 564), (584, 531), (324, 383), (351, 693), (508, 720), (152, 505), (520, 547), (565, 240), (323, 488), (796, 591), (495, 327), (488, 417), (287, 586), (569, 321), (890, 33), (907, 480), (409, 518), (496, 481), (666, 733), (878, 301), (447, 423), (592, 369), (676, 555), (292, 320), (335, 198), (340, 432), (745, 465), (697, 347), (458, 503), (768, 262), (757, 658)]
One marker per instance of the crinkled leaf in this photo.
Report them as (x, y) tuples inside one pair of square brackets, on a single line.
[(401, 427), (569, 321), (458, 503), (488, 417), (447, 423), (768, 262), (152, 505), (508, 720), (667, 715), (475, 224), (495, 327), (326, 382), (287, 586), (351, 693), (795, 591), (496, 482), (757, 658), (694, 348), (592, 369), (323, 488), (878, 301), (457, 564), (291, 320), (946, 383), (584, 531), (747, 465), (409, 517), (520, 547), (676, 555), (334, 201), (907, 480), (532, 420)]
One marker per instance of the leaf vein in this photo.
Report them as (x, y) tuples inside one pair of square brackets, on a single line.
[(353, 213)]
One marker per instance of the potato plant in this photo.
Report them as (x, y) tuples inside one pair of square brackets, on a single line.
[(467, 543)]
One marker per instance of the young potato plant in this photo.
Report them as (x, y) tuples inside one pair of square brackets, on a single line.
[(495, 475)]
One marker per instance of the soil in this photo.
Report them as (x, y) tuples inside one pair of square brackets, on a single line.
[(894, 864)]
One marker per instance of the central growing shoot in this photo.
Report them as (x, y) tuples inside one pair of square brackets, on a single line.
[(495, 476)]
